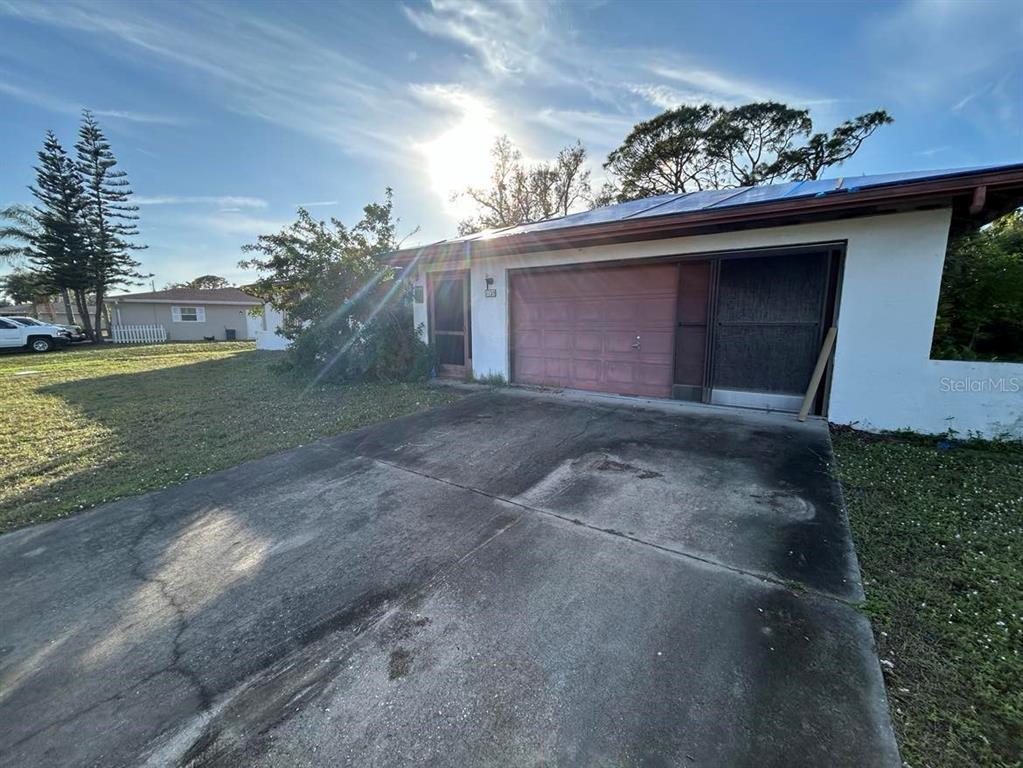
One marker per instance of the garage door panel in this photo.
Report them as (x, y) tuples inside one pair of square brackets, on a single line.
[(589, 312), (589, 319), (658, 311), (586, 370), (657, 343), (588, 341), (557, 368), (619, 341), (555, 314), (526, 340), (557, 340)]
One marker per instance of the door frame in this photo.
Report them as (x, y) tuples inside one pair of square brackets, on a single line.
[(448, 370), (836, 249), (834, 266)]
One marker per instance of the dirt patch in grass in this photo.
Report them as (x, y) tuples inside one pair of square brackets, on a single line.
[(939, 532), (89, 425)]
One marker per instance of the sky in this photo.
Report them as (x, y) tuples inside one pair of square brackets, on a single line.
[(227, 116)]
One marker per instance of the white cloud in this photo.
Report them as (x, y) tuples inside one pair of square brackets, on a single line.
[(271, 71), (227, 201), (37, 98), (238, 224), (911, 45), (707, 85), (594, 129), (317, 204), (506, 35), (141, 117)]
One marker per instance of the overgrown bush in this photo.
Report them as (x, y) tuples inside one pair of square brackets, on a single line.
[(341, 349), (347, 313)]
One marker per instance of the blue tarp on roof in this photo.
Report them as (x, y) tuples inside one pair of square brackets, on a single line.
[(688, 202)]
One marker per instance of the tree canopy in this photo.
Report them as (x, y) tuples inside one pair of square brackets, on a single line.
[(347, 313), (203, 282), (520, 193), (691, 148)]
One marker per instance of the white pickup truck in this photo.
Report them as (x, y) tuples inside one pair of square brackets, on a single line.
[(37, 338)]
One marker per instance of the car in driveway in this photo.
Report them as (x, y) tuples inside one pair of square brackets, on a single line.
[(31, 334)]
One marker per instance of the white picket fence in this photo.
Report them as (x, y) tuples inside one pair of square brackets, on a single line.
[(138, 334)]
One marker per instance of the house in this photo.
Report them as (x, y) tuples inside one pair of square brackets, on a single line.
[(49, 311), (189, 314), (726, 297)]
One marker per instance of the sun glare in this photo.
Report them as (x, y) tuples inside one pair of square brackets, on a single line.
[(460, 156)]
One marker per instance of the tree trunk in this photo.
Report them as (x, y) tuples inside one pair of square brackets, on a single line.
[(98, 338), (67, 306), (83, 312)]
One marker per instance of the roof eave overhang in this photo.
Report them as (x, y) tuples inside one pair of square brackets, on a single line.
[(1002, 190)]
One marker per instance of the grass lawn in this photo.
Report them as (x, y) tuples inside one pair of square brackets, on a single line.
[(89, 425), (940, 539)]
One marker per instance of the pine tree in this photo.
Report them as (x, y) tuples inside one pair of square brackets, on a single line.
[(56, 237), (109, 216)]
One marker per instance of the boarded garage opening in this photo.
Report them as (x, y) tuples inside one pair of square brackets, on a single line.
[(603, 329), (732, 329), (767, 330)]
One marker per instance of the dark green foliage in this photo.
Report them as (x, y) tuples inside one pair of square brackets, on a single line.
[(22, 286), (204, 282), (386, 349), (109, 217), (692, 148), (347, 313), (55, 237), (664, 154), (980, 311)]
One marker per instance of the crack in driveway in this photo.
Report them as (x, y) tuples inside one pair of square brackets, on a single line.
[(758, 575)]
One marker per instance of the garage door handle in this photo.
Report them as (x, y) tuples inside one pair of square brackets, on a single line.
[(636, 344)]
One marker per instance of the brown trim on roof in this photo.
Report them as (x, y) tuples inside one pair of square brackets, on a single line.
[(1004, 190)]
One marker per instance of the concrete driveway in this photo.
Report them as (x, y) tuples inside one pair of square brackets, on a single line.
[(514, 579)]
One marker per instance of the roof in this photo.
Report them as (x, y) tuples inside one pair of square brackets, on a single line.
[(197, 295), (790, 202)]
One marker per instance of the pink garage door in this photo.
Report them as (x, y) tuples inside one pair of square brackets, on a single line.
[(609, 329)]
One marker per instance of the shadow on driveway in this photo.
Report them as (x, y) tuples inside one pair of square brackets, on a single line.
[(511, 579)]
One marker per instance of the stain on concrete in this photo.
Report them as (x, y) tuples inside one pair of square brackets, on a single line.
[(439, 550), (399, 663)]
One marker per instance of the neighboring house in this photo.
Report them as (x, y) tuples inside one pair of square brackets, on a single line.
[(189, 314), (725, 297), (48, 312)]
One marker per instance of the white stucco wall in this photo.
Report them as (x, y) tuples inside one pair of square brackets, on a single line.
[(266, 335), (883, 377)]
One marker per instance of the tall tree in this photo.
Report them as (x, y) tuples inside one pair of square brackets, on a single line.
[(519, 193), (823, 150), (55, 228), (109, 216), (709, 147), (663, 155)]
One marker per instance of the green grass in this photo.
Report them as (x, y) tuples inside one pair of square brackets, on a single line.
[(940, 539), (89, 425)]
